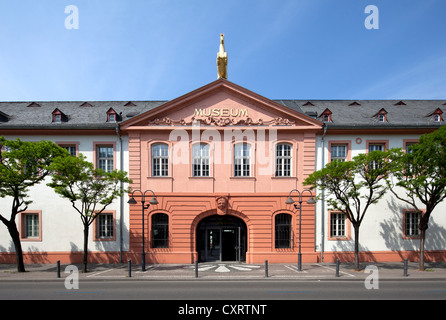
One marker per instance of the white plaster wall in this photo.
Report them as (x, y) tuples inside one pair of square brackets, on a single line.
[(382, 227), (62, 228)]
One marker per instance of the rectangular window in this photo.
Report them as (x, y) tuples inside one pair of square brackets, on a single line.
[(283, 160), (160, 160), (337, 225), (411, 223), (200, 160), (32, 225), (338, 152), (376, 146), (242, 160), (105, 225), (283, 231), (105, 158)]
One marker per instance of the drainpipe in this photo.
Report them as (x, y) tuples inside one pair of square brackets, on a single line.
[(121, 213), (323, 197)]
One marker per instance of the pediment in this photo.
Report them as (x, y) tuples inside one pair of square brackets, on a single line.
[(222, 103)]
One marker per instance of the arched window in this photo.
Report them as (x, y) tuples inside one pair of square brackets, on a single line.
[(160, 231), (160, 160), (200, 160), (283, 230), (242, 160), (283, 160)]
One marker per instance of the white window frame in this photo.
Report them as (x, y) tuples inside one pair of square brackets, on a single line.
[(201, 160), (242, 159), (283, 159), (160, 159)]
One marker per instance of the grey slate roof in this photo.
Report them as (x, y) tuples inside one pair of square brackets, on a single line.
[(345, 113), (80, 114), (351, 114)]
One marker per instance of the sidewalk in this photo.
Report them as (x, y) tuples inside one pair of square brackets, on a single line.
[(227, 271)]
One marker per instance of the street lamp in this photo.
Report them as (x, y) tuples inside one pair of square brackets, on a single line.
[(291, 201), (143, 200)]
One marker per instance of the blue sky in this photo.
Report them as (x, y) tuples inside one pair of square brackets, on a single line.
[(281, 49)]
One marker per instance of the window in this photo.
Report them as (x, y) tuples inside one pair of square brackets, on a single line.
[(411, 223), (160, 160), (283, 160), (338, 152), (105, 158), (242, 160), (326, 115), (105, 226), (200, 160), (337, 225), (283, 231), (160, 231), (30, 226), (376, 146)]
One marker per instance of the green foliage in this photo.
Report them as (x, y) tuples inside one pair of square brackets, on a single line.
[(354, 185), (24, 164), (421, 172), (89, 189)]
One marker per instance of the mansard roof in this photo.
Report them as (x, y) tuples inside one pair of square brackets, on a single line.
[(346, 114)]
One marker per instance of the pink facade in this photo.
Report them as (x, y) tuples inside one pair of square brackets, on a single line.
[(253, 153)]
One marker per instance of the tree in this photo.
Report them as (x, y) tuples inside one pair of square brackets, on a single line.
[(23, 165), (354, 186), (421, 172), (89, 189)]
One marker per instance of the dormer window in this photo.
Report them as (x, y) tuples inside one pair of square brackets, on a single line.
[(437, 115), (381, 115), (326, 116), (112, 116), (59, 116)]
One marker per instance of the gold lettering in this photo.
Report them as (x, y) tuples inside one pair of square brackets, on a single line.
[(222, 112), (242, 112)]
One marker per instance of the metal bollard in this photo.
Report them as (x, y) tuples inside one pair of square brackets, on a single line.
[(58, 268), (196, 268), (130, 268), (337, 268), (266, 268), (405, 268)]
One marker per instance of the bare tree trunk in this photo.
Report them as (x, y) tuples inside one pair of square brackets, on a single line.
[(85, 257), (356, 248), (15, 236), (422, 237)]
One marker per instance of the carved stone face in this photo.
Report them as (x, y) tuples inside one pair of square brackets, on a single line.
[(222, 203)]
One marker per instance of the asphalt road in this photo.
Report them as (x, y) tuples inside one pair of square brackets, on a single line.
[(250, 290)]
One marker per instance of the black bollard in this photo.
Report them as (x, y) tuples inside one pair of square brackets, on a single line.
[(337, 268), (266, 268), (405, 268), (58, 268), (130, 268), (196, 268)]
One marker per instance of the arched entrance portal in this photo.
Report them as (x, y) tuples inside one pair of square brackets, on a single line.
[(221, 238)]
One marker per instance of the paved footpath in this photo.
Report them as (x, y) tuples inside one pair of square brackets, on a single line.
[(226, 271)]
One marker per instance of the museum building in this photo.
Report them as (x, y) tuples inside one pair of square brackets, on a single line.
[(211, 173)]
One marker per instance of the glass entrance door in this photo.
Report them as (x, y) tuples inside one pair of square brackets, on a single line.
[(221, 238), (213, 247), (222, 244)]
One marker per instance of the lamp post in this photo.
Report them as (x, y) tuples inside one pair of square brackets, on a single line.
[(143, 200), (291, 201)]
